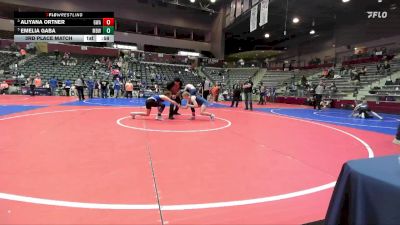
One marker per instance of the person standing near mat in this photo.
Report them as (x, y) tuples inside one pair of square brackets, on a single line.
[(103, 87), (236, 94), (206, 88), (90, 84), (215, 92), (128, 89), (319, 91), (79, 85), (53, 85), (117, 87), (67, 87), (248, 94), (156, 101), (194, 101), (397, 138), (174, 87), (31, 83)]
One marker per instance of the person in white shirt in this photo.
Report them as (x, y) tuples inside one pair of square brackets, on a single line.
[(206, 88)]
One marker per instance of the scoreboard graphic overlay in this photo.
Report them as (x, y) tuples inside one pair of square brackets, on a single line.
[(64, 26)]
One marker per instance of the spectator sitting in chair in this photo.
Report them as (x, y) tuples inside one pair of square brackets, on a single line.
[(363, 71), (342, 70), (3, 87), (386, 67), (304, 81), (325, 73), (389, 82), (379, 68), (331, 73)]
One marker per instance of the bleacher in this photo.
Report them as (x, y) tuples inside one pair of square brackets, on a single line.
[(144, 71), (48, 66), (240, 74), (216, 74), (388, 92), (276, 78), (229, 76), (6, 59), (346, 86)]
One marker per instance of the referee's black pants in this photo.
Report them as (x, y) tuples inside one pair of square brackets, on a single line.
[(317, 102)]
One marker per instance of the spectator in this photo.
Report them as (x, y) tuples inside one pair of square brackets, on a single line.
[(206, 88), (332, 89), (103, 88), (248, 94), (325, 73), (272, 94), (319, 91), (397, 138), (331, 72), (31, 83), (67, 87), (357, 77), (304, 81), (97, 88), (90, 84), (347, 70), (79, 85), (287, 89), (236, 94), (363, 71), (379, 68), (389, 81), (117, 87), (111, 89), (215, 92), (342, 70), (38, 81), (262, 94), (53, 85), (386, 67), (129, 89), (225, 95), (3, 87)]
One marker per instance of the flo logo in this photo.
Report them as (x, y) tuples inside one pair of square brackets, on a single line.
[(377, 14)]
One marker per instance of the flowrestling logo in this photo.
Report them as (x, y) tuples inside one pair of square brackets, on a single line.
[(377, 14)]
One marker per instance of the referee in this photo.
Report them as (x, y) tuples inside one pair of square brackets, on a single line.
[(174, 87), (319, 91)]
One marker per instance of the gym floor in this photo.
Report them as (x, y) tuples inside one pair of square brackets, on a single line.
[(70, 162)]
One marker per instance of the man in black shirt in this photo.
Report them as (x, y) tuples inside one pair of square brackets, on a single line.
[(248, 94), (103, 87), (397, 138), (174, 87), (236, 94)]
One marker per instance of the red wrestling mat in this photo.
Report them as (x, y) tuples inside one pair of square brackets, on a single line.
[(87, 165)]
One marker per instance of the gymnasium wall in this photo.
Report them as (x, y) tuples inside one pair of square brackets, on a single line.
[(140, 40)]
